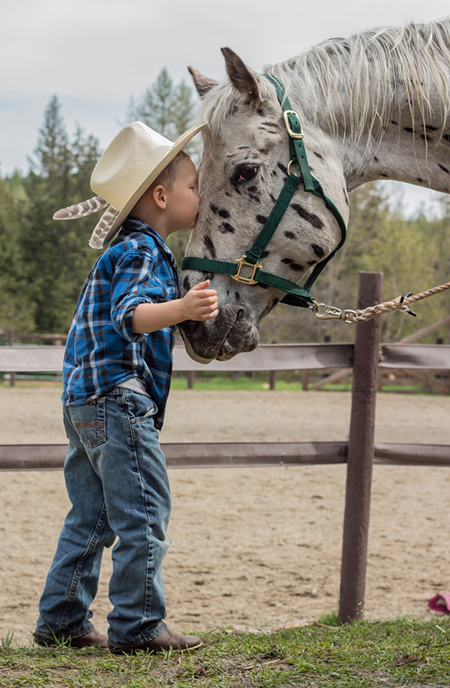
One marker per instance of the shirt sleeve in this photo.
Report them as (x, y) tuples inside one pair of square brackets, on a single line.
[(135, 281)]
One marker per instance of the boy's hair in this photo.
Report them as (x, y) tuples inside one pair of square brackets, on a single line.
[(166, 178), (169, 173)]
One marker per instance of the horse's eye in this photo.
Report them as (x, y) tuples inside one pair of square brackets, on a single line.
[(244, 173)]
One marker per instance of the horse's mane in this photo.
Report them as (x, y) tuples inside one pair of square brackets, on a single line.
[(349, 84), (357, 77)]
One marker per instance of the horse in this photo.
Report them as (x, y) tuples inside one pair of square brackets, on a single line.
[(372, 106)]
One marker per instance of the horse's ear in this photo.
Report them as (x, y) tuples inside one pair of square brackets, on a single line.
[(202, 83), (242, 78)]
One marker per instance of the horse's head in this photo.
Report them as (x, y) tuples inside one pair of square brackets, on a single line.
[(243, 169)]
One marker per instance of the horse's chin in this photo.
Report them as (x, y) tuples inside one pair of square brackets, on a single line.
[(218, 339)]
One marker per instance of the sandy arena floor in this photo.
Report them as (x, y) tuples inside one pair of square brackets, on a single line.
[(249, 546)]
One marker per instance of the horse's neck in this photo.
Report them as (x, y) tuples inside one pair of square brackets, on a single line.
[(413, 148), (382, 101)]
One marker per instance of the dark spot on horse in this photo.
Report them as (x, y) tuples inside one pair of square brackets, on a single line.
[(263, 151), (272, 197), (318, 250), (263, 286), (425, 137), (376, 159), (209, 245), (227, 193), (293, 265), (237, 296), (443, 168), (394, 122), (428, 127), (264, 254), (271, 124), (244, 148), (318, 155), (312, 262), (214, 208), (226, 227), (262, 219), (282, 168), (408, 129), (228, 293), (290, 235), (384, 175), (253, 188), (313, 219), (419, 179), (260, 111), (223, 213), (186, 283), (446, 137), (274, 173)]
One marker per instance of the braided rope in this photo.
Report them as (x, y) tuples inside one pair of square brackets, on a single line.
[(401, 303)]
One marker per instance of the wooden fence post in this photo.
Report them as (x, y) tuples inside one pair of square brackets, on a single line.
[(360, 452)]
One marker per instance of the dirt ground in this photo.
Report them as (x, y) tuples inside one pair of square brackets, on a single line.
[(249, 546)]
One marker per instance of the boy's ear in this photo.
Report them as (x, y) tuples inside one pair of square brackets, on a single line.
[(158, 196)]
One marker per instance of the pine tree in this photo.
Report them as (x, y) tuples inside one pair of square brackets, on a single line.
[(167, 109), (55, 254)]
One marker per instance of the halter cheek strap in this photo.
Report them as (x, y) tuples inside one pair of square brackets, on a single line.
[(249, 263)]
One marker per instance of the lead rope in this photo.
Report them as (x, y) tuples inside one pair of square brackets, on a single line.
[(401, 303)]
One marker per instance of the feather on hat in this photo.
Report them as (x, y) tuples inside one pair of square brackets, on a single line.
[(129, 165)]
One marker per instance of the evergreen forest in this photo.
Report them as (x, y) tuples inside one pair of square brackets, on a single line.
[(43, 263)]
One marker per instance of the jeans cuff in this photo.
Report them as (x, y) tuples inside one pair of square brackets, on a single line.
[(51, 637), (143, 637)]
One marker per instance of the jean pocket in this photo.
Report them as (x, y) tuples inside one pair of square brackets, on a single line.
[(140, 407), (89, 422)]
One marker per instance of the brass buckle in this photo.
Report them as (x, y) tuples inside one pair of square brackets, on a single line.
[(246, 280), (292, 134)]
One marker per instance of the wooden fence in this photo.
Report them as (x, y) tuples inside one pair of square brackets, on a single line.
[(366, 357)]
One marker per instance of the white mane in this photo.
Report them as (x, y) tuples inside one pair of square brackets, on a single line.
[(357, 77)]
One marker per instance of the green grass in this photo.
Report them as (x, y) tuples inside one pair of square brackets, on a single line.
[(404, 652)]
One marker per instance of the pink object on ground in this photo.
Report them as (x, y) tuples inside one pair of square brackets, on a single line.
[(440, 603)]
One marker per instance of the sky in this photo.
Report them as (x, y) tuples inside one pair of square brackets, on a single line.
[(96, 54)]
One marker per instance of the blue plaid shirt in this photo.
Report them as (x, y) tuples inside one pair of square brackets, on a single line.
[(102, 349)]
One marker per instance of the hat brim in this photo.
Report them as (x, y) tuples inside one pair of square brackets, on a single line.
[(112, 228)]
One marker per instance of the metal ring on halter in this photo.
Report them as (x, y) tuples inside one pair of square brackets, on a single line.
[(289, 167)]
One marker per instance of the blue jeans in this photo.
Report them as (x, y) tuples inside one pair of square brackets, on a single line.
[(117, 482)]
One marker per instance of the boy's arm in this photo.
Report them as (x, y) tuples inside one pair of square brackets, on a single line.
[(199, 303)]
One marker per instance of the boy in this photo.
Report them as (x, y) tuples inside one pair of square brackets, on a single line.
[(116, 379)]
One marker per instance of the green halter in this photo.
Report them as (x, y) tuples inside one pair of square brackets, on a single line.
[(295, 295)]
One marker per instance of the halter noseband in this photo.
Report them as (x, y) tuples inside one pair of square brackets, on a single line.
[(295, 295)]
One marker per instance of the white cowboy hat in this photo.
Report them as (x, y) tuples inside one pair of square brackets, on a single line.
[(129, 165)]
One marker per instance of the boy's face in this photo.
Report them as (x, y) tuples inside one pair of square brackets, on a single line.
[(183, 198)]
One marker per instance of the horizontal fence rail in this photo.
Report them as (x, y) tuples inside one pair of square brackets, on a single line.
[(267, 357), (24, 457)]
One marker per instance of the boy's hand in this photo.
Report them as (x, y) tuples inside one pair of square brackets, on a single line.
[(200, 303)]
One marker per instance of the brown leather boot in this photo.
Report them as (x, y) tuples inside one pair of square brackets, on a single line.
[(165, 641), (91, 639)]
